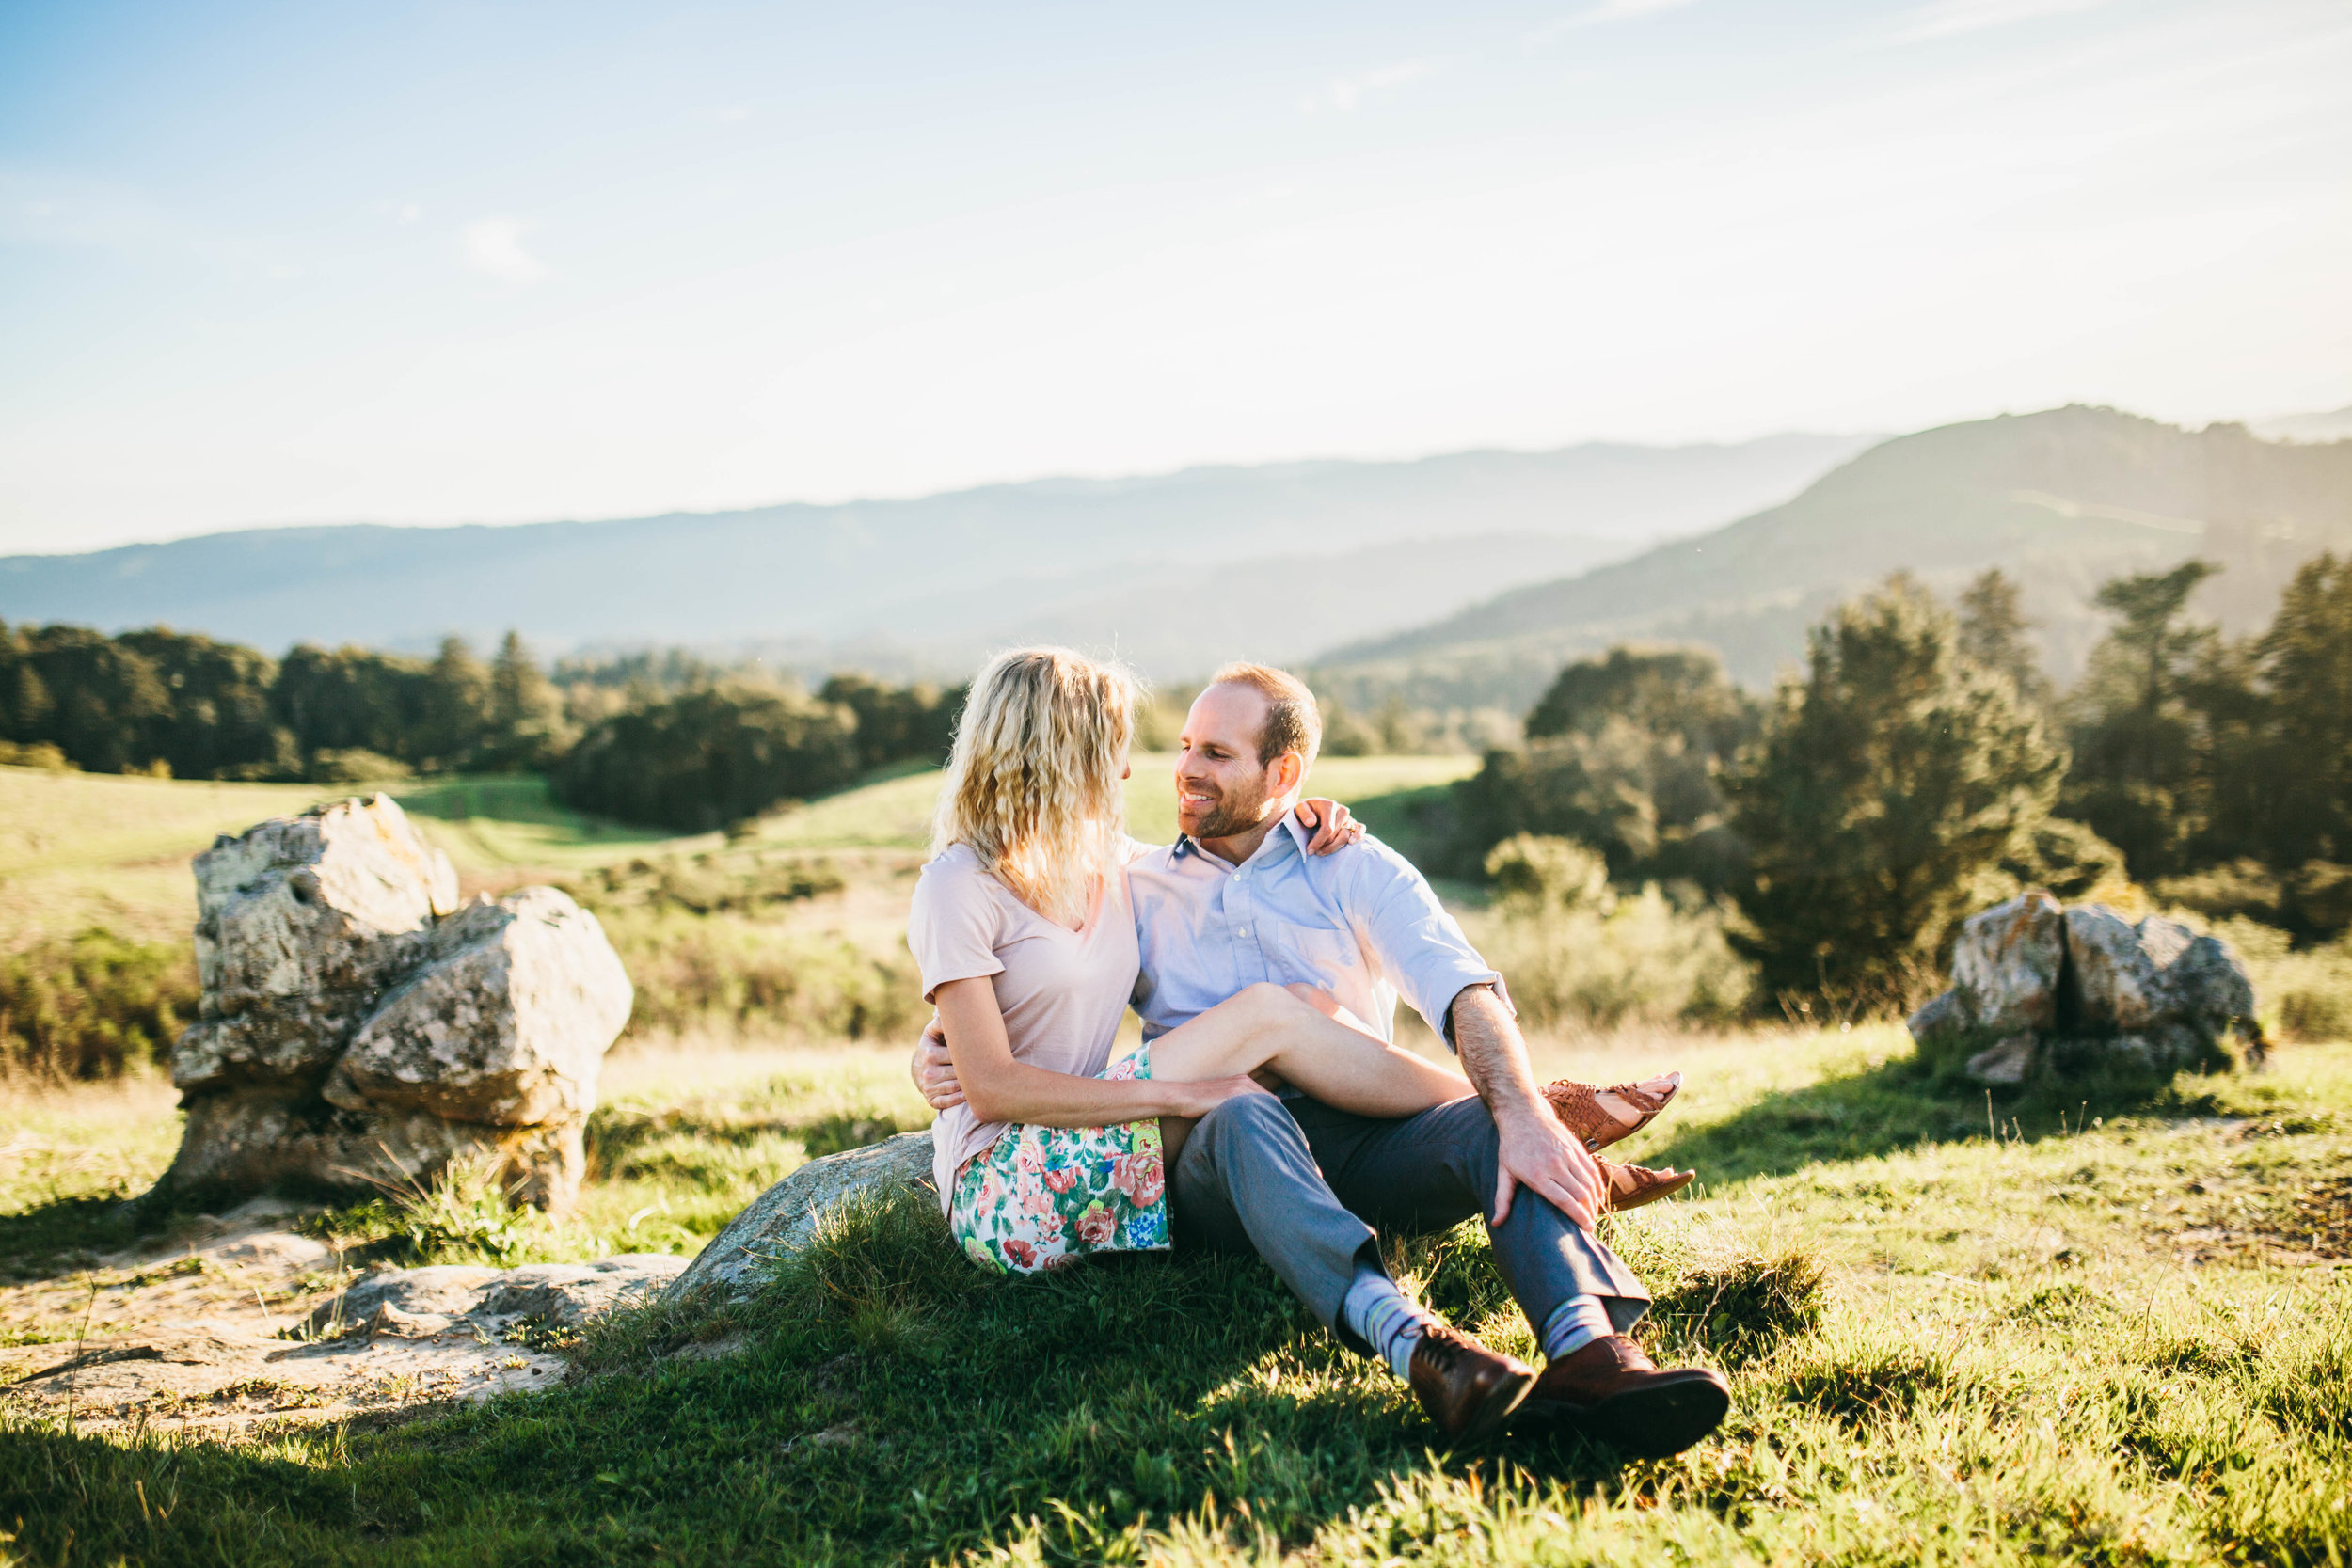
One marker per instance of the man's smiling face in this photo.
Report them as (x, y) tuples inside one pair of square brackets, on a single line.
[(1221, 786)]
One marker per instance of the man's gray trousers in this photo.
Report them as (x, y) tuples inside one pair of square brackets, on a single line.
[(1306, 1186)]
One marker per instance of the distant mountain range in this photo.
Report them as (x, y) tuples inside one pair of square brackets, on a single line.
[(1174, 572), (2061, 500)]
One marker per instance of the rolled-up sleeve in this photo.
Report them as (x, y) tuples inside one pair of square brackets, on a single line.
[(1420, 947)]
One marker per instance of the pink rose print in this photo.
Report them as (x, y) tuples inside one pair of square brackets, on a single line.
[(1096, 1227), (1141, 1177), (1036, 1202), (1021, 1252), (1029, 1157), (1061, 1178)]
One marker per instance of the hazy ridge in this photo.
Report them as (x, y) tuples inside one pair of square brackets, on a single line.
[(2063, 499), (1173, 571)]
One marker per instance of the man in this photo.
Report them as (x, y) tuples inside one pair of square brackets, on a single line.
[(1238, 900)]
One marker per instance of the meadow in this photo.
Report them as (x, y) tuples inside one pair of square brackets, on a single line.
[(2104, 1324)]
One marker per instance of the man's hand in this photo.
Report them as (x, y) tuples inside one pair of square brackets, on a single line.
[(1536, 1151), (1540, 1154), (934, 1072)]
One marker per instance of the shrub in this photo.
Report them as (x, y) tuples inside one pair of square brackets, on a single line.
[(355, 765), (41, 755), (1576, 953), (1623, 753), (92, 1006), (706, 758)]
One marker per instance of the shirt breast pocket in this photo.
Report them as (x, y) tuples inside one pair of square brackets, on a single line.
[(1323, 950)]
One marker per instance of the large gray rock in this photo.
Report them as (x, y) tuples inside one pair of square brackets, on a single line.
[(2083, 989), (253, 1138), (564, 1295), (360, 1030), (2004, 966), (301, 923), (506, 1024), (2113, 985), (783, 1219)]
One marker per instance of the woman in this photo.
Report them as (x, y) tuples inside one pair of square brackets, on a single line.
[(1022, 926)]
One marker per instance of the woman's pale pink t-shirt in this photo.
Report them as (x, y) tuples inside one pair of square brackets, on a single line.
[(1062, 991)]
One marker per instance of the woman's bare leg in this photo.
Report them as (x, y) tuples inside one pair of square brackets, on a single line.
[(1266, 1028)]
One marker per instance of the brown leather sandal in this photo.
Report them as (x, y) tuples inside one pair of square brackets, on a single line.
[(1630, 1186), (1578, 1108)]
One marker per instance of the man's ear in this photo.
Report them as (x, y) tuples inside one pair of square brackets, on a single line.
[(1289, 771)]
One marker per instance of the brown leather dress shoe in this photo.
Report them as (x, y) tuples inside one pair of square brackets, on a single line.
[(1466, 1388), (1611, 1391)]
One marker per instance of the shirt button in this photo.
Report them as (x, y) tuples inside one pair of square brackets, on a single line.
[(1242, 931)]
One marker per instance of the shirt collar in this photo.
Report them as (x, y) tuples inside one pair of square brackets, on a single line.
[(1299, 835)]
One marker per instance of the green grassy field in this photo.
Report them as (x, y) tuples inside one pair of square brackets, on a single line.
[(2060, 1329), (80, 849)]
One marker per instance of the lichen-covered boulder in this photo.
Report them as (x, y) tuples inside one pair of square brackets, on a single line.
[(782, 1220), (2084, 989), (360, 1030), (2113, 985), (505, 1023), (253, 1138), (2211, 992), (2006, 964), (301, 924)]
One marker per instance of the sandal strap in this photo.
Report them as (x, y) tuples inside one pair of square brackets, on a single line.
[(1577, 1106), (1641, 1098)]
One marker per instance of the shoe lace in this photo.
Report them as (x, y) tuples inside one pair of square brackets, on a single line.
[(1443, 1347)]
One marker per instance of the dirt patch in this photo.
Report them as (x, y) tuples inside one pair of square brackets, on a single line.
[(2310, 1229)]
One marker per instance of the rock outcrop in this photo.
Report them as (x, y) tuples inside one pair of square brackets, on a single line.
[(2077, 989), (360, 1028), (782, 1220)]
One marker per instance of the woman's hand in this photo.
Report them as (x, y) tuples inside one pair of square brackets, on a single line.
[(1199, 1098), (934, 1070), (1334, 827)]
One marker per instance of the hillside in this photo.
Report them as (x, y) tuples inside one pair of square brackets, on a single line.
[(2063, 499), (1342, 550)]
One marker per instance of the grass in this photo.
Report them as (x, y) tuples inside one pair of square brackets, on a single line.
[(2104, 1331), (793, 929)]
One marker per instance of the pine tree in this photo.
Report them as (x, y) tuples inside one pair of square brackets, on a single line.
[(1993, 634), (1893, 775), (525, 728), (2137, 777)]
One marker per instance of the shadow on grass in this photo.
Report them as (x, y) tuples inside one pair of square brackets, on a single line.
[(882, 1401), (1902, 1105)]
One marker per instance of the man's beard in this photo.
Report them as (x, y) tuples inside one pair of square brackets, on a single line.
[(1231, 814)]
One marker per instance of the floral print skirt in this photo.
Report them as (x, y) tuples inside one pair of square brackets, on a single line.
[(1042, 1196)]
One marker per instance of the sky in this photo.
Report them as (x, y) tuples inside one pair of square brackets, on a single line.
[(274, 264)]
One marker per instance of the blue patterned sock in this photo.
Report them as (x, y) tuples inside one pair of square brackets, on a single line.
[(1385, 1318), (1573, 1324)]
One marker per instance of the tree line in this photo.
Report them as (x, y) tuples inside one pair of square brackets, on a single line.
[(1921, 765), (663, 739)]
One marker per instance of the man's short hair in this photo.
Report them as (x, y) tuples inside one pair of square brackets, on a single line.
[(1293, 723)]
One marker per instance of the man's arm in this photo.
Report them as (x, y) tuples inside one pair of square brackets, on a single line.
[(1536, 1150)]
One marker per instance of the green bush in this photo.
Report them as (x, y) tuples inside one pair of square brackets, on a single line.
[(92, 1006), (1624, 752), (1578, 954), (707, 758)]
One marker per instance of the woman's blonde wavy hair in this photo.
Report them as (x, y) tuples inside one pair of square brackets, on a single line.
[(1033, 782)]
